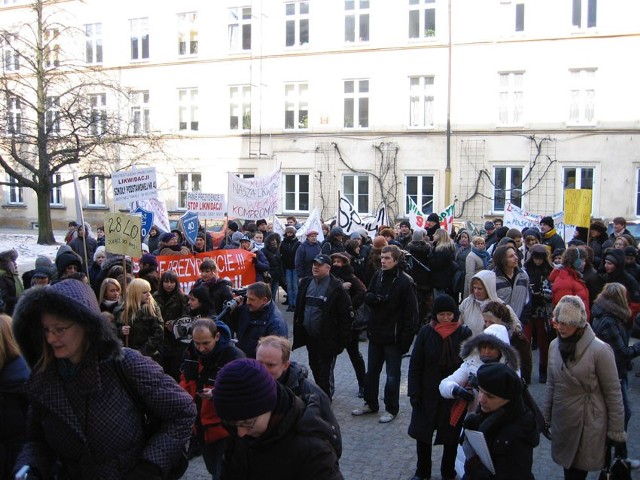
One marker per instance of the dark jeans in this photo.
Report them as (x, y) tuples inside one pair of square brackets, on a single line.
[(353, 349), (322, 364), (275, 288), (447, 463), (291, 278), (624, 386), (379, 355), (212, 455), (574, 474)]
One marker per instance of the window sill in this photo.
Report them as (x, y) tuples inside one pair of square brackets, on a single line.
[(57, 206), (16, 206), (95, 207)]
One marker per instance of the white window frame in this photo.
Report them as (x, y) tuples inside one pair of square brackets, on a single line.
[(511, 99), (297, 194), (422, 8), (296, 103), (51, 48), (187, 34), (10, 53), (420, 198), (188, 110), (582, 97), (55, 198), (52, 116), (15, 192), (579, 185), (359, 92), (580, 14), (508, 190), (187, 182), (240, 107), (94, 53), (421, 101), (352, 186), (139, 40), (356, 19), (98, 105), (14, 116), (297, 23), (239, 28), (140, 112), (96, 192)]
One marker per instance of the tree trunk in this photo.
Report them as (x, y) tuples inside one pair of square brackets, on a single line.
[(45, 228)]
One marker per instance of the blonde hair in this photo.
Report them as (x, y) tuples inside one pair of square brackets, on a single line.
[(475, 240), (616, 293), (9, 349), (133, 299), (103, 288)]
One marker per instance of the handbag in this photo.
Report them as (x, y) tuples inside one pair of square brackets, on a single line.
[(150, 422), (361, 318), (616, 470)]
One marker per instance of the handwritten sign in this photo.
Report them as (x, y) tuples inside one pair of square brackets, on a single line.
[(134, 184), (122, 234), (254, 198), (207, 205), (577, 207)]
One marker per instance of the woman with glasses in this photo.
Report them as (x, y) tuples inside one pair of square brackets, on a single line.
[(82, 421)]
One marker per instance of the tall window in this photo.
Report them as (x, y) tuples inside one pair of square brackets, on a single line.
[(56, 192), (296, 193), (140, 116), (188, 182), (422, 18), (519, 17), (507, 187), (356, 190), (356, 103), (93, 33), (188, 109), (421, 101), (297, 23), (420, 190), (356, 20), (187, 34), (139, 38), (584, 13), (98, 103), (240, 107), (240, 28), (16, 191), (296, 106), (582, 93), (14, 115), (97, 194), (52, 116), (10, 53), (51, 47), (510, 104)]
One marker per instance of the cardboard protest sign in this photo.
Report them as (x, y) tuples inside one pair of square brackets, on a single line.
[(134, 184), (254, 198), (122, 234), (577, 207), (207, 205)]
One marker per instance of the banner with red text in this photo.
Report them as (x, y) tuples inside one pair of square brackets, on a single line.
[(253, 198)]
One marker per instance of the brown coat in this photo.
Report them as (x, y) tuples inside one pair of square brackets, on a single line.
[(583, 403)]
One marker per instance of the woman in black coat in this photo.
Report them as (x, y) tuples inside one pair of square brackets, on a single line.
[(271, 250), (435, 356)]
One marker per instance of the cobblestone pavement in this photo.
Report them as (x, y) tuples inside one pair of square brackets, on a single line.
[(374, 451)]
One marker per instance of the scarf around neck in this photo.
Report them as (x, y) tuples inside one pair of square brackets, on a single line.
[(483, 254), (450, 357)]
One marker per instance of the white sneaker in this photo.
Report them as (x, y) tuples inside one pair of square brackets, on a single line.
[(386, 418), (366, 410), (633, 463)]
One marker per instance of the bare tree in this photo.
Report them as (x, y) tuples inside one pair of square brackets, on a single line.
[(54, 115)]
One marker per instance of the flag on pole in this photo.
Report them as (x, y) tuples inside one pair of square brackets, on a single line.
[(419, 219), (277, 226)]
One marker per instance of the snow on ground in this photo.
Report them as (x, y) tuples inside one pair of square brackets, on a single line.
[(27, 248)]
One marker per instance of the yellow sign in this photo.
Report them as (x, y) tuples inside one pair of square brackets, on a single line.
[(577, 207), (122, 234)]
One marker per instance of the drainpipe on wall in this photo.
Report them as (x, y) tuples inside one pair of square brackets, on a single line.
[(447, 171)]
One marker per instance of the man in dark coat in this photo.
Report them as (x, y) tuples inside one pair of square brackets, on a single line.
[(274, 434), (322, 321), (149, 271), (394, 321), (288, 249), (550, 237), (308, 250), (219, 290)]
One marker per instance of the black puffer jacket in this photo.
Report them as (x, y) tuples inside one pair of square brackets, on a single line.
[(272, 253), (288, 249), (420, 251)]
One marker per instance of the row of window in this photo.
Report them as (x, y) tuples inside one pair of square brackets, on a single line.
[(507, 181), (421, 17), (296, 105)]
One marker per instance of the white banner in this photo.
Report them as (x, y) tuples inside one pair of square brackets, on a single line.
[(516, 217), (207, 205), (254, 198), (159, 210), (349, 220), (312, 223), (278, 227), (134, 184), (419, 219)]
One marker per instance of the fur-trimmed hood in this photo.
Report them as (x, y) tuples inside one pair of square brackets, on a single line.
[(69, 299), (497, 336)]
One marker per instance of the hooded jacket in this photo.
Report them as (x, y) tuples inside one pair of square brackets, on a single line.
[(78, 418), (471, 309), (567, 281)]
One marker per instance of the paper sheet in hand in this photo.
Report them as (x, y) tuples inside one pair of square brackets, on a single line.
[(479, 445)]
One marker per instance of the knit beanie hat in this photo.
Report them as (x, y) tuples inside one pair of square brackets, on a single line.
[(149, 259), (43, 261), (630, 251), (489, 225), (405, 223), (433, 217), (235, 238), (500, 380), (355, 236), (100, 250), (547, 221), (244, 389), (615, 256), (570, 311), (538, 251), (444, 303), (167, 237), (502, 232)]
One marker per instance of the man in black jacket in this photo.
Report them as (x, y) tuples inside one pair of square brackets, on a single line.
[(322, 321), (394, 321)]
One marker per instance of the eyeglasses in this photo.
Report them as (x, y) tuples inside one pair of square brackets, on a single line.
[(56, 331), (248, 424)]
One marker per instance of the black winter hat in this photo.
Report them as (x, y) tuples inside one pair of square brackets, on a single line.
[(615, 256), (499, 379), (547, 221), (434, 217), (67, 258), (405, 223), (444, 303)]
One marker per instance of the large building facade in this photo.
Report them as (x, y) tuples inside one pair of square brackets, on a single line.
[(477, 102)]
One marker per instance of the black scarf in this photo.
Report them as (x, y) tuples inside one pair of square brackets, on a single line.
[(567, 346)]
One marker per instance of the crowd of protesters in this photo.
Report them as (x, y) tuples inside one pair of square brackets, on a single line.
[(472, 306)]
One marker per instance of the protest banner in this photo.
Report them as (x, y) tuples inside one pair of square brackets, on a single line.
[(122, 234), (516, 217), (134, 184), (234, 265), (419, 219), (577, 207), (349, 220), (146, 220), (209, 206), (159, 210), (190, 226), (254, 198), (312, 223), (277, 226)]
